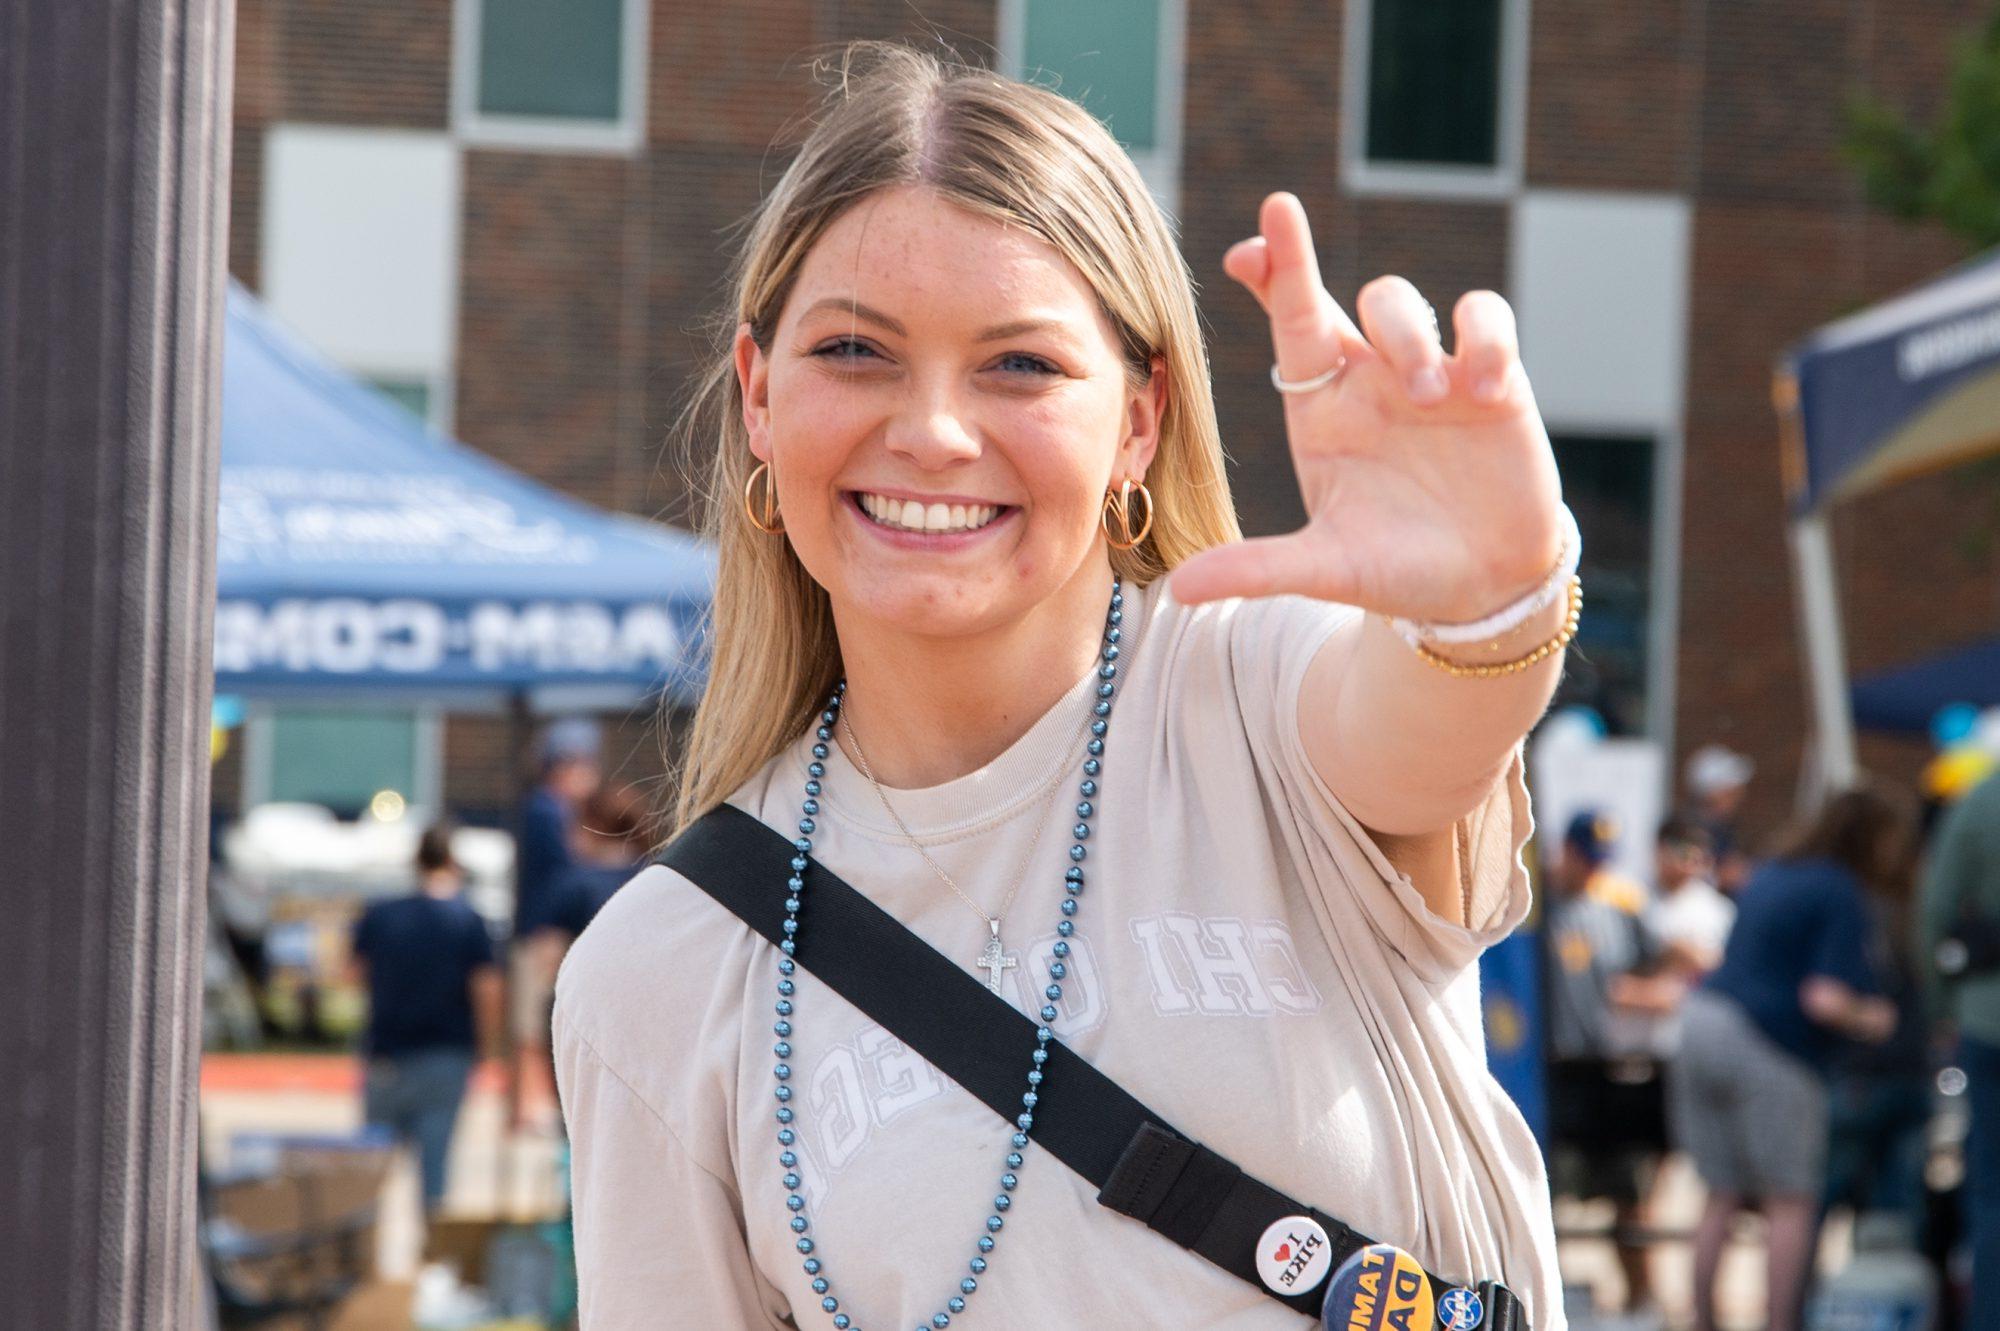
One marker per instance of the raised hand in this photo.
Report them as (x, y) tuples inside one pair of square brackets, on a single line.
[(1429, 485)]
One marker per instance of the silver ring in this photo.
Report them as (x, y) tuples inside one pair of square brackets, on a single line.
[(1306, 385)]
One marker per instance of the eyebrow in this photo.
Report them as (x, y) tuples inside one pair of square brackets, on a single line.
[(992, 334)]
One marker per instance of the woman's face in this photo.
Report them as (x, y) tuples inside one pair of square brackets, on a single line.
[(943, 407)]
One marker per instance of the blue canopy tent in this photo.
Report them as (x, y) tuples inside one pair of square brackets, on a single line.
[(360, 554), (1904, 388), (1910, 697)]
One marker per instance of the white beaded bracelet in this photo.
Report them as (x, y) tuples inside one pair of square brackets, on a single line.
[(1421, 633)]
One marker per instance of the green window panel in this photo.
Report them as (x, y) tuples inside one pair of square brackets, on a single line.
[(551, 59), (1434, 81), (412, 395), (342, 758), (1104, 54)]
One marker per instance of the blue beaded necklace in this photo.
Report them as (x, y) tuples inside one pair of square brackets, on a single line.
[(1107, 675)]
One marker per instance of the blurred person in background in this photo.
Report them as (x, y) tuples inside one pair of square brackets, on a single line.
[(610, 844), (1960, 902), (1881, 1094), (1718, 779), (1607, 1105), (1748, 1090), (568, 774), (1689, 915), (434, 1001)]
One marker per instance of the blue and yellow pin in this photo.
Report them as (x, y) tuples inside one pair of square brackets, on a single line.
[(1380, 1288)]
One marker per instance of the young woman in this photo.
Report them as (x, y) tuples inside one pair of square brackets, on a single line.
[(962, 434)]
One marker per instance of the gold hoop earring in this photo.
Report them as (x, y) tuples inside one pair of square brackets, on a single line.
[(771, 522), (1121, 504)]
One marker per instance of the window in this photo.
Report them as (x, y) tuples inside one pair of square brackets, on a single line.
[(567, 75), (1608, 482), (422, 398), (1432, 96), (1120, 59), (341, 757)]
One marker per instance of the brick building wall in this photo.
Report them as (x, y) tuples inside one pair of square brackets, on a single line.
[(588, 281), (1783, 243)]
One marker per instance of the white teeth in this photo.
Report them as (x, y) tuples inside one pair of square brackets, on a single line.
[(912, 515)]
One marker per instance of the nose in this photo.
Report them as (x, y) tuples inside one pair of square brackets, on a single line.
[(931, 431)]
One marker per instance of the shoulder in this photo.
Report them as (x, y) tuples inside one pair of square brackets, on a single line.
[(468, 921), (1976, 814), (657, 987), (1252, 653), (393, 912), (1623, 894), (642, 949), (1241, 624)]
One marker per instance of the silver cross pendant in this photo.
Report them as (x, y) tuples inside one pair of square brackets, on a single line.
[(993, 960)]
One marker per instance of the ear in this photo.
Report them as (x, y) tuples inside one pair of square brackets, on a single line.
[(1144, 409), (753, 377)]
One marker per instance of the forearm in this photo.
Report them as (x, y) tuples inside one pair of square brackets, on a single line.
[(1409, 747), (1832, 1004)]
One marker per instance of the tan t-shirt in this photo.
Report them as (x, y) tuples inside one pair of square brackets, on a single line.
[(1247, 962)]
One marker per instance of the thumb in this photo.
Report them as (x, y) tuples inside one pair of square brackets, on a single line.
[(1262, 566)]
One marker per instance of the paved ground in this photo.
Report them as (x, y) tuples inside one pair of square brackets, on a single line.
[(498, 1172)]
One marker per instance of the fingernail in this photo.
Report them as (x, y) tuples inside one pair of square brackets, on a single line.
[(1491, 389), (1429, 384)]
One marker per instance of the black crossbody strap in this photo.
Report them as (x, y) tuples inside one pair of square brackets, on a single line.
[(1140, 1164)]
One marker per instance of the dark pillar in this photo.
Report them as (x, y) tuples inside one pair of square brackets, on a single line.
[(114, 121)]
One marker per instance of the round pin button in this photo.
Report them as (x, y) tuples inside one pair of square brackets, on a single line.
[(1460, 1310), (1294, 1255), (1379, 1288)]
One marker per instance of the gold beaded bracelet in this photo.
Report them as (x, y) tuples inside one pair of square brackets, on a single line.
[(1547, 649)]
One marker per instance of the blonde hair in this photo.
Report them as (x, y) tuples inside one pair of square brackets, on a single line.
[(1020, 154)]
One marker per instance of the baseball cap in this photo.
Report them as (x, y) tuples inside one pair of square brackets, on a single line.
[(1593, 833), (1714, 767), (571, 737)]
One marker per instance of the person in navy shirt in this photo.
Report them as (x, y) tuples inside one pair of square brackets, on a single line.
[(610, 844), (434, 1000), (1748, 1096), (544, 854)]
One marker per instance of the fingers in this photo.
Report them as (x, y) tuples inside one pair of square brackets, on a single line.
[(1311, 333), (1249, 262), (1488, 349), (1281, 269), (1401, 326), (1297, 299), (1262, 566)]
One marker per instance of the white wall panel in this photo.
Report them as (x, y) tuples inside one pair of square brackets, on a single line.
[(361, 245), (1600, 283)]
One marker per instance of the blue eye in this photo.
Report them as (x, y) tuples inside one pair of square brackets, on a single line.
[(1037, 364), (842, 344)]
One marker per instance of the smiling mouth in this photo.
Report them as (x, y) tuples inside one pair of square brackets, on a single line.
[(927, 519)]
